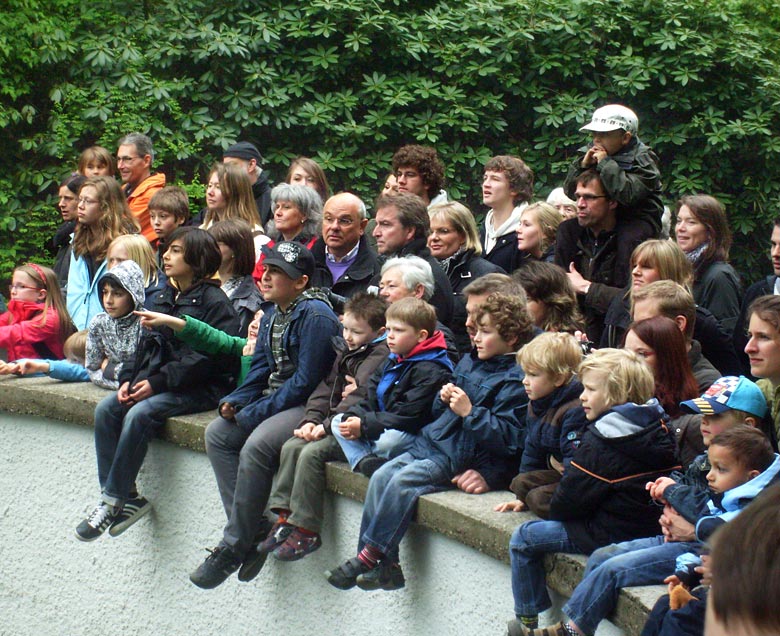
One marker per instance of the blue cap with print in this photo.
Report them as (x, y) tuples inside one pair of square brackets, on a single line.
[(727, 394)]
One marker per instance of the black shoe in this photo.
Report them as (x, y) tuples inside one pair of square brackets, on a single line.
[(345, 576), (385, 576), (219, 565), (97, 523), (132, 511), (254, 560), (370, 464)]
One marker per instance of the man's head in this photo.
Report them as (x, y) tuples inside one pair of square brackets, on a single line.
[(595, 210), (507, 180), (399, 220), (409, 276), (478, 291), (134, 158), (287, 272), (343, 222), (737, 456), (612, 126), (409, 322), (665, 298), (363, 319), (774, 251), (246, 155), (419, 171)]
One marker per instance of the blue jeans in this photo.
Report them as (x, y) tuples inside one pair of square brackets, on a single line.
[(638, 562), (122, 436), (392, 497), (527, 547), (390, 444)]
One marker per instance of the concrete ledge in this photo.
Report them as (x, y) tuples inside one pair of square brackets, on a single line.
[(464, 518)]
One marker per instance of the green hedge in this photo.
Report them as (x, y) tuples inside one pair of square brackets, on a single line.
[(349, 81)]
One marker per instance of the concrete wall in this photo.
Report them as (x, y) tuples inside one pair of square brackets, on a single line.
[(51, 583)]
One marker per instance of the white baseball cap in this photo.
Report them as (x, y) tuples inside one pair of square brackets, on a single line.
[(613, 117)]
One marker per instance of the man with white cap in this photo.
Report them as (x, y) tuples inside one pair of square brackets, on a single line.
[(628, 168)]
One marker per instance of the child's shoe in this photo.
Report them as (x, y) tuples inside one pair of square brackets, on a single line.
[(276, 537), (345, 576), (219, 565), (97, 522), (132, 511), (370, 464), (386, 575), (298, 545), (516, 628)]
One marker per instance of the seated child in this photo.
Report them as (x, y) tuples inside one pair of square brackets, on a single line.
[(134, 247), (113, 333), (601, 497), (37, 322), (165, 378), (729, 402), (71, 369), (298, 491), (555, 422), (627, 167), (480, 423), (400, 393)]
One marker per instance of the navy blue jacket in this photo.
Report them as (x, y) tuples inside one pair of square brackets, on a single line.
[(307, 341), (490, 439)]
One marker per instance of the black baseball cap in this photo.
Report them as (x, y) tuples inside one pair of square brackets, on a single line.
[(294, 259)]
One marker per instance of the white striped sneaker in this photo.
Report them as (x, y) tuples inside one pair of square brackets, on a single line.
[(132, 511), (97, 522)]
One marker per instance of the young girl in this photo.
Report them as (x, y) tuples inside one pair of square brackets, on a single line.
[(307, 172), (165, 378), (102, 216), (536, 232), (96, 161), (37, 323), (234, 238), (601, 498), (662, 345), (134, 247)]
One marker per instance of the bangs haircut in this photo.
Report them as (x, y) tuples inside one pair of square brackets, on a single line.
[(624, 375), (413, 312), (368, 307), (97, 155), (667, 258), (519, 175), (425, 160), (749, 446), (173, 200), (462, 221), (201, 251), (767, 308), (558, 354), (237, 235), (139, 250)]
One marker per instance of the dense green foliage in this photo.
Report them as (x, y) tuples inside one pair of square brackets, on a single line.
[(349, 81)]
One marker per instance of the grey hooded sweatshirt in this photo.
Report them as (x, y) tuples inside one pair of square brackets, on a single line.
[(115, 339)]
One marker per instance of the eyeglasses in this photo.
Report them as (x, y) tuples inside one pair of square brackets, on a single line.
[(18, 287), (125, 159), (589, 197), (86, 201), (343, 221)]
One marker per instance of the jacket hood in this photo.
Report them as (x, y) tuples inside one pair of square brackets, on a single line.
[(627, 419), (435, 345), (314, 293), (128, 276)]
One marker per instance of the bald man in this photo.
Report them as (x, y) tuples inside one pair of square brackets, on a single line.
[(345, 262)]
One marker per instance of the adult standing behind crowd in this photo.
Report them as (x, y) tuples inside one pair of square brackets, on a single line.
[(418, 170), (247, 156), (454, 243), (307, 172), (134, 161), (229, 196), (507, 187), (536, 233), (69, 207), (402, 228), (702, 231), (344, 261)]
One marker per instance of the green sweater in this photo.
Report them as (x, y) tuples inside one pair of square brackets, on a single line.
[(206, 339)]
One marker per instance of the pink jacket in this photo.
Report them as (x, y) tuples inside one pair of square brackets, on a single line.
[(21, 329)]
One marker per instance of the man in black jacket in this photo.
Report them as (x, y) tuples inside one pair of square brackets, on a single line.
[(402, 228)]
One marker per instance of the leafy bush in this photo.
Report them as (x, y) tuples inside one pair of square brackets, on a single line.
[(349, 81)]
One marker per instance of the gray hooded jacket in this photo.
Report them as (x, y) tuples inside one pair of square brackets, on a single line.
[(115, 339)]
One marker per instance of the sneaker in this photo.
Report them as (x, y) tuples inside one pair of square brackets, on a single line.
[(385, 576), (516, 628), (219, 565), (276, 537), (97, 523), (253, 559), (370, 464), (345, 576), (132, 511), (297, 546)]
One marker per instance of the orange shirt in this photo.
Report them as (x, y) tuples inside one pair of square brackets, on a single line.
[(138, 200)]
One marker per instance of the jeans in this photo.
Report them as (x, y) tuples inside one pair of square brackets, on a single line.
[(527, 547), (392, 497), (122, 436), (390, 444), (638, 562), (244, 463)]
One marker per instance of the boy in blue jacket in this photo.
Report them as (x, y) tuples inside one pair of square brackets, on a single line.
[(400, 393), (555, 423), (480, 422)]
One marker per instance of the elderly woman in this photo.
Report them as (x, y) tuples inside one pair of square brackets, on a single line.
[(454, 242), (702, 232)]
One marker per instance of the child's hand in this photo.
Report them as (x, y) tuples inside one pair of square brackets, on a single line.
[(123, 394), (672, 581), (25, 367), (10, 368), (590, 158), (460, 404), (446, 392), (510, 506), (350, 385), (350, 428), (705, 570), (658, 487), (471, 482), (155, 319), (249, 348), (599, 154), (141, 391), (227, 411)]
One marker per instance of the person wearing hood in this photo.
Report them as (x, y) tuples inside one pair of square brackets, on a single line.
[(601, 498), (293, 354), (113, 334)]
